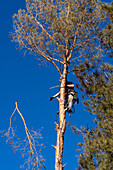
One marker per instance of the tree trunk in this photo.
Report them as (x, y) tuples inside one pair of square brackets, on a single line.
[(62, 123)]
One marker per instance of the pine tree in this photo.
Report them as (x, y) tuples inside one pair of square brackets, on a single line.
[(97, 84), (97, 149), (64, 32)]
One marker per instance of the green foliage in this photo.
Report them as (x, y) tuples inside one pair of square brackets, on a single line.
[(96, 81), (106, 35), (98, 142), (109, 9), (60, 28)]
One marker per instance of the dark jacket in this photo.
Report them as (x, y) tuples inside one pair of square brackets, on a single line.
[(69, 91)]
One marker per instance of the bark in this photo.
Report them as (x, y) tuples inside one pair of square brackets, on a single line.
[(62, 123)]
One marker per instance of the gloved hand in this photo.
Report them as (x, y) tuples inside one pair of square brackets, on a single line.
[(51, 98)]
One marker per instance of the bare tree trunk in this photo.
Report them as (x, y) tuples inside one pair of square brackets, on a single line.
[(62, 123)]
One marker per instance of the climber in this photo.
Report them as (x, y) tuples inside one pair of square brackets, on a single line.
[(71, 97)]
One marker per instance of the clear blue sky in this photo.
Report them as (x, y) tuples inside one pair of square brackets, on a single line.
[(23, 80)]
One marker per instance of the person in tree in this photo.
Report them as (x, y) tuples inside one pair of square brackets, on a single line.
[(71, 97)]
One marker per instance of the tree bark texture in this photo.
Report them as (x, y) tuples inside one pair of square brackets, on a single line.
[(62, 123)]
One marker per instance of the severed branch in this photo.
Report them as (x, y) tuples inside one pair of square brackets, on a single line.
[(27, 146)]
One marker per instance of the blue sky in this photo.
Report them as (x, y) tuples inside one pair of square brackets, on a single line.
[(22, 79)]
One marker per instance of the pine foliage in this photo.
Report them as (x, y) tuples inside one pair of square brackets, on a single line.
[(97, 84), (106, 35), (98, 142), (53, 30)]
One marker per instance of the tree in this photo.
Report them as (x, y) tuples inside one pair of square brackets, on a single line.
[(97, 85), (106, 35), (63, 33), (97, 149)]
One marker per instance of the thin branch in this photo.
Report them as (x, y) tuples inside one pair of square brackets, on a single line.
[(64, 165), (50, 37), (73, 45), (54, 87), (43, 55), (76, 58), (75, 39), (67, 21), (47, 58), (71, 71), (50, 56), (11, 119)]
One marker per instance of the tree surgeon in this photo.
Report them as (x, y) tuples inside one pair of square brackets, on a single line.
[(71, 97)]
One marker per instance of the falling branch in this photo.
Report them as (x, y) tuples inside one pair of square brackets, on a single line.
[(26, 129), (30, 138)]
